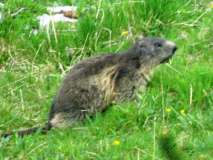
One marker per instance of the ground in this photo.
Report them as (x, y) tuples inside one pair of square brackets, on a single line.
[(178, 103)]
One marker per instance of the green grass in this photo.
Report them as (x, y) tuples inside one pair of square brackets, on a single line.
[(32, 67)]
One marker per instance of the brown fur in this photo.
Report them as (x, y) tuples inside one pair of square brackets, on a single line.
[(96, 82)]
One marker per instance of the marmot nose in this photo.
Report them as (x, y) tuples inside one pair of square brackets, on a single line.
[(174, 49), (171, 45)]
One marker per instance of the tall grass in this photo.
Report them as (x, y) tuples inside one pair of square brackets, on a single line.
[(100, 24)]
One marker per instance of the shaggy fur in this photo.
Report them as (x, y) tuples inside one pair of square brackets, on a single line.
[(96, 82)]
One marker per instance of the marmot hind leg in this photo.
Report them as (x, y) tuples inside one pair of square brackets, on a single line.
[(64, 120)]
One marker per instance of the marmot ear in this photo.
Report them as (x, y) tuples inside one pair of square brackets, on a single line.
[(139, 37)]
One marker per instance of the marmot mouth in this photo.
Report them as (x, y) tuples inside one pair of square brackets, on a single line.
[(166, 60), (169, 57)]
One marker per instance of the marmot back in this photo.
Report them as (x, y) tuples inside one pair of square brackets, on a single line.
[(96, 82)]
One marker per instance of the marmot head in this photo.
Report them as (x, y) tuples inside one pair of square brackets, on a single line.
[(154, 51)]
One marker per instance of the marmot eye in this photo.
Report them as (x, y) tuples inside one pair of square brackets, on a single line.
[(157, 44), (142, 45)]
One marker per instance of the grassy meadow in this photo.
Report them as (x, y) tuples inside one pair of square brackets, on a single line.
[(174, 114)]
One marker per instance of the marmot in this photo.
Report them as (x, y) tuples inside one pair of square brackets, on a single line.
[(94, 83)]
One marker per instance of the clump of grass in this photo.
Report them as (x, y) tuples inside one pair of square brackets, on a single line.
[(169, 148)]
